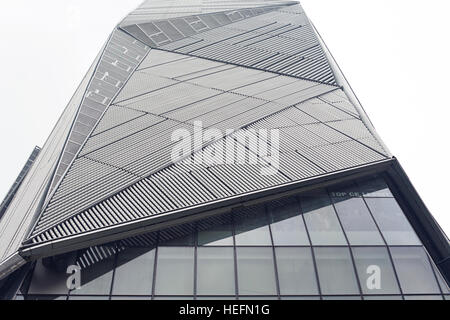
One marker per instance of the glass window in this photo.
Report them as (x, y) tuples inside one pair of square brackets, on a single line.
[(375, 271), (287, 224), (44, 297), (252, 228), (123, 298), (215, 271), (383, 298), (345, 190), (374, 187), (423, 298), (392, 222), (444, 287), (257, 298), (414, 270), (96, 279), (256, 271), (87, 298), (178, 236), (300, 298), (215, 234), (357, 222), (335, 271), (216, 298), (341, 298), (321, 221), (174, 298), (134, 272), (175, 271), (48, 281), (296, 271)]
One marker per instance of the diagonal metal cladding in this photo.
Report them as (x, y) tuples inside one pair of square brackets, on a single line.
[(159, 10), (124, 173), (32, 192), (276, 39), (119, 59)]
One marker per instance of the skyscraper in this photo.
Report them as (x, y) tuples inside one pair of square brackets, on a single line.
[(215, 150)]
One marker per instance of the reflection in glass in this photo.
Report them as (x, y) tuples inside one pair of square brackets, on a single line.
[(375, 270), (216, 235), (287, 224), (134, 272), (423, 297), (252, 228), (48, 281), (357, 222), (374, 187), (321, 220), (45, 297), (296, 271), (96, 279), (86, 298), (335, 271), (383, 298), (414, 270), (175, 271), (215, 271), (256, 271), (300, 298), (183, 235), (341, 298), (392, 222), (444, 287)]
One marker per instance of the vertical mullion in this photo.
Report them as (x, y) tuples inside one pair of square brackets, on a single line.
[(77, 255), (195, 260), (236, 280), (116, 257), (277, 282), (313, 255), (155, 264), (348, 243)]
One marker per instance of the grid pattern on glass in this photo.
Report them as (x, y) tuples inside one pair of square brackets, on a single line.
[(264, 252)]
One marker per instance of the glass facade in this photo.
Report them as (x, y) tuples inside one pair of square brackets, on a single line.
[(347, 242)]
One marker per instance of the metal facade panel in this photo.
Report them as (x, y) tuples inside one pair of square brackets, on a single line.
[(118, 61), (221, 63), (22, 210), (12, 191), (222, 99)]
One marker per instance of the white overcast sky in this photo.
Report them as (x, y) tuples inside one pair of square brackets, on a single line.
[(395, 54)]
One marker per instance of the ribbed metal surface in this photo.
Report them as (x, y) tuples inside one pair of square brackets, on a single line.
[(280, 41), (115, 116), (25, 205), (118, 61), (166, 9), (156, 30), (134, 151), (12, 191), (244, 70)]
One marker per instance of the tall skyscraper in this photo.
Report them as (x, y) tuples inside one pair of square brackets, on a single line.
[(215, 150)]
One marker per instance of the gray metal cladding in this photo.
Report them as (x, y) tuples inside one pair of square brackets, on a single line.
[(158, 31), (13, 190), (115, 116), (239, 71), (280, 41), (141, 145), (120, 58)]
